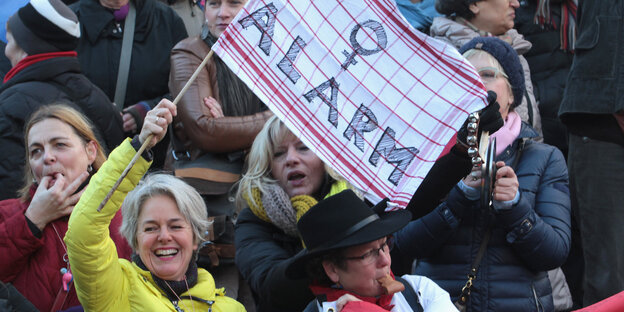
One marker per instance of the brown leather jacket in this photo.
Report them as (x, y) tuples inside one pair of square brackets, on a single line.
[(194, 125)]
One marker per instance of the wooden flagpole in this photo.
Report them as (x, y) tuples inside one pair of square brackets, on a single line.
[(149, 138)]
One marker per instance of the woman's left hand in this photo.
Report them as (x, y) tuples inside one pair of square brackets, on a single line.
[(343, 300), (506, 185), (156, 122), (215, 108)]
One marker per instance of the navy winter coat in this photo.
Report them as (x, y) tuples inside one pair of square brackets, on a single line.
[(526, 241)]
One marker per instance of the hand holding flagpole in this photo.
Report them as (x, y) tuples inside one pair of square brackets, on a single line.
[(149, 139)]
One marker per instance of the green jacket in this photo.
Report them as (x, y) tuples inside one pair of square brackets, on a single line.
[(103, 281)]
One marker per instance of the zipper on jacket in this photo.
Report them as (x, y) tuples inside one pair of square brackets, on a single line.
[(176, 306), (538, 304)]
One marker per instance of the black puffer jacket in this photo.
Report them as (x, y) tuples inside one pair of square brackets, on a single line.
[(55, 80), (158, 28), (263, 251), (549, 70), (5, 64)]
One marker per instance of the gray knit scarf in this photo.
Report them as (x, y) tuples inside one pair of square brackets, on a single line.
[(279, 209)]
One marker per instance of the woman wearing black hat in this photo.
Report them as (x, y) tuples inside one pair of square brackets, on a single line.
[(283, 180), (468, 19), (526, 232), (347, 257)]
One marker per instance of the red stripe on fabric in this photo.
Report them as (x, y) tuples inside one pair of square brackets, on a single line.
[(307, 125), (32, 59), (431, 58), (354, 104), (282, 97), (396, 21), (404, 95)]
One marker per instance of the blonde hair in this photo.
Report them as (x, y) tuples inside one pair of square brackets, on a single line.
[(259, 160), (189, 203), (493, 63), (82, 127)]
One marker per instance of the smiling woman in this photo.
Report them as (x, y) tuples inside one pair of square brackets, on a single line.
[(219, 117), (164, 220)]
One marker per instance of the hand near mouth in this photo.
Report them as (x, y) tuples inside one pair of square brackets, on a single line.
[(54, 200)]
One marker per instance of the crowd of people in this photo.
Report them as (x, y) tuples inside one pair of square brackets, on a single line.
[(228, 210)]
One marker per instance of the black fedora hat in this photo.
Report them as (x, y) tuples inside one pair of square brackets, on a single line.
[(341, 221)]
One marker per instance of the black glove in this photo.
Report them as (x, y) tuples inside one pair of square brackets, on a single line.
[(490, 119)]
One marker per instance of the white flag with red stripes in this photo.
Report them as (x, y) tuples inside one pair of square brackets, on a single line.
[(372, 97)]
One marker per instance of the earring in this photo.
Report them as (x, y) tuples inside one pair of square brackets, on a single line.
[(90, 168)]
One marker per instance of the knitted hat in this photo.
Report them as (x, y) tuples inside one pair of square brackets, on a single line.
[(507, 57), (44, 26)]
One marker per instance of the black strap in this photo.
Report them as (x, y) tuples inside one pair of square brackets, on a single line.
[(477, 260), (529, 107), (465, 293), (193, 298), (519, 154), (410, 295), (178, 150)]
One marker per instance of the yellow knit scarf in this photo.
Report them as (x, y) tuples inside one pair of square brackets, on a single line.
[(287, 212)]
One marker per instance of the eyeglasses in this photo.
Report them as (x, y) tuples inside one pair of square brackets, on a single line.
[(372, 255), (489, 74)]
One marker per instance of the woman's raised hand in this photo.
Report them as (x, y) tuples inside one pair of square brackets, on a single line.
[(156, 122), (53, 201)]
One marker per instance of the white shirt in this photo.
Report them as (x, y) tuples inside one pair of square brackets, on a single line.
[(431, 296)]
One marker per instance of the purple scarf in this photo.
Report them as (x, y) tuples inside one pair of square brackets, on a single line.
[(122, 12)]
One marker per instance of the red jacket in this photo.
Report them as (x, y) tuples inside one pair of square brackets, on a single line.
[(33, 265)]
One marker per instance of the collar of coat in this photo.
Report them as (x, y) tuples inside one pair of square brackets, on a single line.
[(101, 19), (43, 70)]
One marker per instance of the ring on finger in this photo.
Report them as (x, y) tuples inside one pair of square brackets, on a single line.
[(474, 176), (157, 119)]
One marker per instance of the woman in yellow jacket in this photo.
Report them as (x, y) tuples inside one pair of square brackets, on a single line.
[(164, 221)]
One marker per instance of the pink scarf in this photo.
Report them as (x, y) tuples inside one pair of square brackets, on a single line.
[(508, 133)]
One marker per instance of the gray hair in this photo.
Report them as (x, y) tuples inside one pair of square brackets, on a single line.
[(189, 202)]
